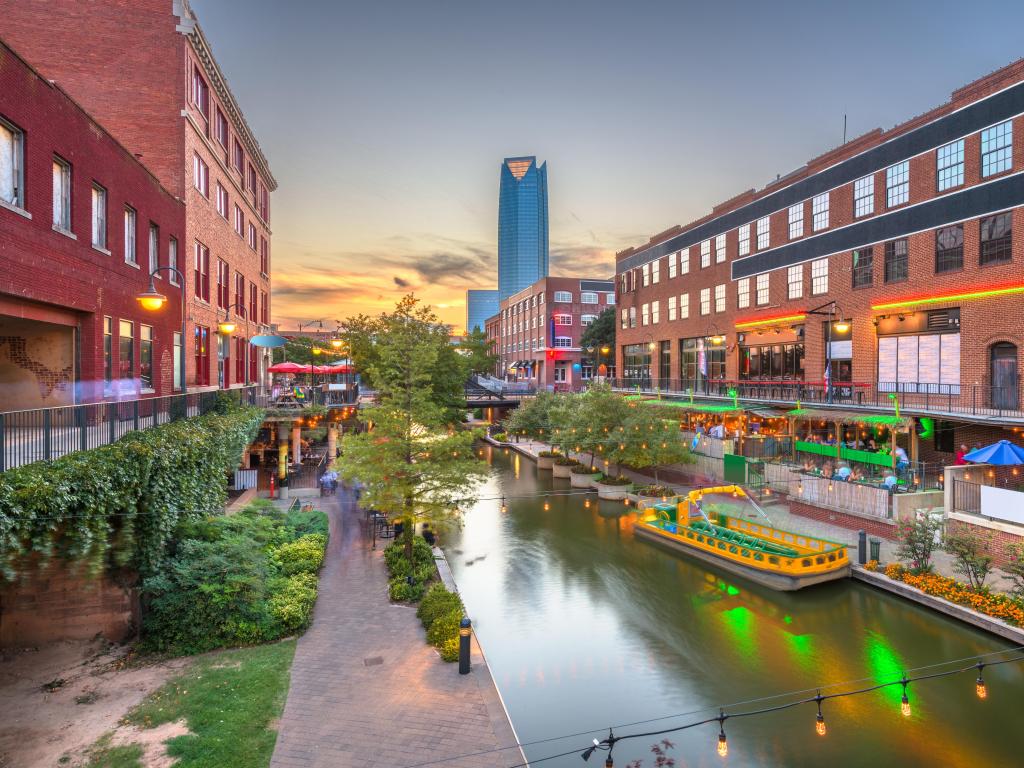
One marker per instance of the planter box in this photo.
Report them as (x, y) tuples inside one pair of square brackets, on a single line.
[(613, 492), (583, 480), (545, 462), (562, 470)]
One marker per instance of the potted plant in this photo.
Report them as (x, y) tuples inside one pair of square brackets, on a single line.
[(583, 476), (655, 491), (562, 466), (499, 437), (614, 487), (546, 458)]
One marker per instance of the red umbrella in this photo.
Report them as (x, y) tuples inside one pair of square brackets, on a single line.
[(338, 369), (288, 367)]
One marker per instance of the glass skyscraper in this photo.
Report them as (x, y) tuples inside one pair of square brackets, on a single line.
[(480, 305), (522, 224)]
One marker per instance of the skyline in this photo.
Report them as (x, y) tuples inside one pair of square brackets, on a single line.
[(385, 145)]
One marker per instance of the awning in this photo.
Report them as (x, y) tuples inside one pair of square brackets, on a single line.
[(712, 406), (858, 417)]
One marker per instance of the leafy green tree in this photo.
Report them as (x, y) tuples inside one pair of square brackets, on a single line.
[(970, 551), (649, 440), (601, 333), (448, 381), (599, 414), (533, 416), (918, 539), (360, 335), (479, 352)]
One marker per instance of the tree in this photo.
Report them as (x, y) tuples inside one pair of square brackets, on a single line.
[(598, 414), (650, 440), (360, 335), (970, 554), (479, 352), (1015, 568), (297, 350), (917, 541), (601, 332), (533, 416)]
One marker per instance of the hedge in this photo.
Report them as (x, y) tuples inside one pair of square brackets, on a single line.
[(120, 505)]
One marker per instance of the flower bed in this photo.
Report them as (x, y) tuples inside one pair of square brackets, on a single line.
[(998, 606)]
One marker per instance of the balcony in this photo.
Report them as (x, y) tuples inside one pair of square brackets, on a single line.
[(976, 402)]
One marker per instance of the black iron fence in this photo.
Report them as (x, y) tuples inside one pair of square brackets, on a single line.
[(972, 399), (966, 496), (44, 434)]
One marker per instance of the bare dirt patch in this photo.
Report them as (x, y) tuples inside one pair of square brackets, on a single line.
[(59, 699), (152, 742)]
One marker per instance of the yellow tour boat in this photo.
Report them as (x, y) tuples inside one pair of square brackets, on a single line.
[(770, 556)]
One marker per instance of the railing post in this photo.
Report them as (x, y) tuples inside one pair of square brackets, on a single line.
[(135, 415), (3, 443), (47, 424), (83, 433), (112, 420)]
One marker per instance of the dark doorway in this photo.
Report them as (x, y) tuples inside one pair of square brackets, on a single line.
[(1004, 376)]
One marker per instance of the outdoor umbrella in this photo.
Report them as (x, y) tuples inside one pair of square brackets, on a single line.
[(268, 340), (288, 367), (1002, 453)]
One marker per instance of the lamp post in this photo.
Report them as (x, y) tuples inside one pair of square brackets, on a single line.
[(226, 327), (152, 300), (830, 310)]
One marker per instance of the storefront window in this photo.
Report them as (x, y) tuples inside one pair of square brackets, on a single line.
[(772, 361), (636, 360), (700, 363)]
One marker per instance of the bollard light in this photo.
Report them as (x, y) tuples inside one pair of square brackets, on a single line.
[(465, 628)]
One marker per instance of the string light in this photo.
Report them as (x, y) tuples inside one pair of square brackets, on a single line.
[(723, 743), (504, 506), (819, 724), (979, 685), (547, 505), (905, 702)]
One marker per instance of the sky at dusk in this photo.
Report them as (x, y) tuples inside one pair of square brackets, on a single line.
[(385, 123)]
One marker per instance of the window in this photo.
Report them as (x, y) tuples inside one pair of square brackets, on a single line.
[(202, 355), (761, 289), (655, 312), (589, 297), (223, 284), (177, 359), (897, 184), (108, 353), (563, 319), (200, 93), (250, 178), (705, 254), (949, 248), (763, 235), (252, 235), (819, 211), (563, 342), (896, 261), (253, 295), (264, 256), (264, 202), (222, 200), (671, 308), (796, 221), (743, 293), (684, 306), (560, 369), (632, 317), (864, 197), (126, 350), (926, 363), (996, 237), (673, 265), (949, 165), (563, 297), (154, 247), (795, 282), (819, 277), (997, 149), (237, 156), (146, 356), (705, 301), (772, 361), (202, 272), (130, 255), (201, 175), (587, 319), (744, 240), (239, 221), (239, 291), (645, 314), (623, 282), (625, 318), (99, 216), (220, 129), (720, 298), (863, 267), (12, 164), (172, 260), (684, 262), (646, 270), (240, 361), (61, 195), (719, 249), (264, 308)]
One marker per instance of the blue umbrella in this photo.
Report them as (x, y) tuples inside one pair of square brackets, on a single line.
[(268, 340), (1001, 453)]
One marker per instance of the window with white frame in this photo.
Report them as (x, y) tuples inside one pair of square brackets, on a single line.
[(632, 317), (563, 297), (949, 165), (252, 236), (172, 261), (563, 319), (684, 262), (673, 265), (763, 237), (705, 301), (744, 235), (239, 221), (201, 175), (796, 221), (588, 297), (622, 282), (819, 276), (12, 165), (705, 254), (863, 196), (609, 299), (129, 236), (719, 249), (563, 341), (720, 298), (61, 194), (656, 271), (761, 293), (997, 149), (154, 247), (222, 200), (99, 216), (819, 211), (684, 306), (795, 281), (897, 184), (587, 319), (671, 308), (625, 317), (655, 312), (646, 270), (645, 314), (743, 293)]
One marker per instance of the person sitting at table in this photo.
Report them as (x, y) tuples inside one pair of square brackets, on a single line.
[(827, 469), (855, 475), (844, 472), (872, 446), (890, 481)]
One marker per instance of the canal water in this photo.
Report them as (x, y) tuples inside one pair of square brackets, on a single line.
[(585, 627)]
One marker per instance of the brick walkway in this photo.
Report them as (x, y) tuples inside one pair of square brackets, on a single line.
[(366, 690)]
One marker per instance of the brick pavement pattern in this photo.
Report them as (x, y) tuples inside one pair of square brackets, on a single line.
[(366, 690)]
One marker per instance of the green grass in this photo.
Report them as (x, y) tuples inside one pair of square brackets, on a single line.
[(227, 700), (102, 755)]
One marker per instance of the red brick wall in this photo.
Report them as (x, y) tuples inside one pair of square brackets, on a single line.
[(1000, 543), (47, 275)]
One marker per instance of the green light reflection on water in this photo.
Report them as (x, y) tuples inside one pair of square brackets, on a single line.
[(885, 665), (740, 623)]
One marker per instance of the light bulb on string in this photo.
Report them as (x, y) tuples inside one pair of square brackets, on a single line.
[(979, 685), (504, 506), (905, 701), (723, 743), (819, 723)]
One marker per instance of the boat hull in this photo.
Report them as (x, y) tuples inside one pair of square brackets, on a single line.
[(779, 581)]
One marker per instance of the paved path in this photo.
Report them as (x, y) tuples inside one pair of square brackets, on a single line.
[(366, 689)]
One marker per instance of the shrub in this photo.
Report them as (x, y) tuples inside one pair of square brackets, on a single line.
[(656, 491), (292, 599), (583, 469), (436, 602), (871, 565), (450, 649), (444, 627), (917, 540), (301, 523), (401, 591), (304, 555), (615, 480), (1015, 568), (894, 571), (970, 554), (566, 461), (499, 436), (548, 454)]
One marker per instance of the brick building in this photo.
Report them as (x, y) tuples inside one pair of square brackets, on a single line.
[(81, 223), (537, 331), (145, 70)]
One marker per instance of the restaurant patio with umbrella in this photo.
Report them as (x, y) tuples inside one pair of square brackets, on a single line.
[(288, 367), (1003, 453)]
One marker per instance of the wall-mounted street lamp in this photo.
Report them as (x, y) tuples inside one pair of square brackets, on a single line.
[(152, 300)]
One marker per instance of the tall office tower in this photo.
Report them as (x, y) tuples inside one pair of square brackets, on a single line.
[(522, 224), (480, 305)]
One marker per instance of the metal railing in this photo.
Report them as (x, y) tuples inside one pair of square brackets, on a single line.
[(44, 434), (971, 399), (966, 496)]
